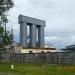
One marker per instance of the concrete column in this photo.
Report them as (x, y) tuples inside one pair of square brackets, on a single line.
[(33, 36), (41, 36), (23, 34)]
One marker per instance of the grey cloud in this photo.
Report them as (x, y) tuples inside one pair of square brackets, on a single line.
[(58, 14)]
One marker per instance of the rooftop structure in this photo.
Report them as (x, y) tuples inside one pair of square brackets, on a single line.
[(34, 38)]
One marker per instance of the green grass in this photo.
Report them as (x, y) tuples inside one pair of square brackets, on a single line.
[(37, 69)]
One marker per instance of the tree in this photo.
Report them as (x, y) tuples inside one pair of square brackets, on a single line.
[(5, 5)]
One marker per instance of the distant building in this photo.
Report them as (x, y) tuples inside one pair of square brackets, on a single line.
[(69, 48), (18, 49), (38, 50)]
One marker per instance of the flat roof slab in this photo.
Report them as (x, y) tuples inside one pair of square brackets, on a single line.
[(31, 20)]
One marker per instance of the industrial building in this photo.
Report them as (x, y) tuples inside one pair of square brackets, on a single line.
[(34, 36), (31, 37), (70, 48), (32, 47), (18, 49)]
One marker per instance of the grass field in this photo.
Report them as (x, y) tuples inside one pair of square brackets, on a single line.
[(37, 69)]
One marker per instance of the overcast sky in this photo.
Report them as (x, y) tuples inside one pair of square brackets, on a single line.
[(58, 14)]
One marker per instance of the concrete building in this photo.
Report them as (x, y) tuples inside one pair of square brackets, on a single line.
[(19, 49), (34, 37), (70, 48), (40, 50)]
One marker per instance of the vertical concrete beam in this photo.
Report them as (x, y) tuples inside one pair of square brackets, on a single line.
[(33, 36), (23, 34), (41, 36)]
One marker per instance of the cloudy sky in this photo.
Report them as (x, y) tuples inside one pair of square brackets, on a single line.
[(58, 14)]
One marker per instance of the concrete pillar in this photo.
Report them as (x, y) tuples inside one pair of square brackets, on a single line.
[(33, 36), (23, 34), (41, 36)]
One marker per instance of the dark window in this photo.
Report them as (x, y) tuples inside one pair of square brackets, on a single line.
[(30, 52), (48, 51), (42, 51)]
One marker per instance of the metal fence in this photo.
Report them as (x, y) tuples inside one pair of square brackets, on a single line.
[(42, 58)]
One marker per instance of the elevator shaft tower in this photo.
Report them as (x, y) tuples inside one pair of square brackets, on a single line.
[(36, 32)]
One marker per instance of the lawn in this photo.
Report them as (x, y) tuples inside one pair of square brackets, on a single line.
[(37, 69)]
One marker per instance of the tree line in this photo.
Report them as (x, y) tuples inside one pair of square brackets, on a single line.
[(5, 6)]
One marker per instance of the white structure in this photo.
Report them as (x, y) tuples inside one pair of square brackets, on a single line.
[(45, 50)]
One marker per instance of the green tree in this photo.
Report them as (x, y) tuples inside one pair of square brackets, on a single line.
[(5, 5)]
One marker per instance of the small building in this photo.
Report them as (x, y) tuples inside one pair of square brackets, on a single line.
[(19, 49), (38, 50), (69, 48)]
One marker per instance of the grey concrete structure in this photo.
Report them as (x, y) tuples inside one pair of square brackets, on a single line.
[(34, 26)]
